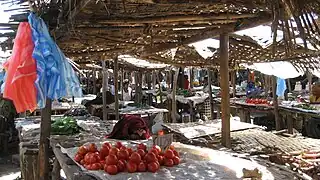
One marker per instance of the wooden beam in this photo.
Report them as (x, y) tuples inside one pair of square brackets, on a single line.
[(45, 129), (224, 85), (275, 103), (104, 89), (210, 93), (116, 87)]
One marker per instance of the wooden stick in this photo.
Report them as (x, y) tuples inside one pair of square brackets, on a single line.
[(104, 90), (224, 84), (309, 76), (45, 129), (116, 87), (275, 103), (121, 83), (160, 88), (233, 81), (210, 93), (94, 81), (174, 102)]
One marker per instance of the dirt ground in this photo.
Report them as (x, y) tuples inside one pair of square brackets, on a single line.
[(9, 168)]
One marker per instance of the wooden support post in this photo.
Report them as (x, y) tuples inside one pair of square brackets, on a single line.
[(56, 170), (309, 76), (104, 90), (275, 103), (154, 80), (121, 83), (224, 85), (289, 85), (290, 124), (191, 78), (45, 129), (160, 88), (174, 102), (233, 81), (116, 87), (94, 81), (210, 94)]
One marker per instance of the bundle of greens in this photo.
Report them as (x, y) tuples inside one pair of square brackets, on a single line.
[(64, 126)]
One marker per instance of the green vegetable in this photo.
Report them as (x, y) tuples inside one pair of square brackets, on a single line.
[(306, 107), (64, 126)]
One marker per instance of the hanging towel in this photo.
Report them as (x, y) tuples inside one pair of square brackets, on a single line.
[(281, 87), (55, 76), (21, 72)]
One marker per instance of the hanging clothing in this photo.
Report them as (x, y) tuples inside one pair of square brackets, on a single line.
[(21, 72), (281, 87), (55, 76)]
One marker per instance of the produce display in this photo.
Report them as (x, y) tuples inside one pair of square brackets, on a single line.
[(64, 126), (185, 93), (259, 101), (305, 106), (77, 112), (119, 158)]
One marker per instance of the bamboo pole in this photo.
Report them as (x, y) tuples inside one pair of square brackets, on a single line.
[(104, 90), (121, 83), (275, 103), (309, 76), (45, 129), (224, 84), (174, 102), (210, 94), (116, 87), (160, 88)]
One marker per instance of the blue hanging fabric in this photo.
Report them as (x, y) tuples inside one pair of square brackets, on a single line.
[(55, 76), (281, 87)]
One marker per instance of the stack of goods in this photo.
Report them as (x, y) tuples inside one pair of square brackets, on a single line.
[(64, 126), (307, 161), (77, 112), (119, 158)]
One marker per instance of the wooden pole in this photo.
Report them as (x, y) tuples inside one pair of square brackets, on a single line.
[(154, 80), (174, 102), (160, 88), (45, 129), (116, 87), (275, 103), (121, 83), (233, 81), (224, 85), (191, 78), (210, 94), (94, 81), (289, 85), (104, 90), (309, 76)]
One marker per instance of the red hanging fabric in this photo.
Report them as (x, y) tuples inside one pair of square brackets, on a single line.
[(21, 71)]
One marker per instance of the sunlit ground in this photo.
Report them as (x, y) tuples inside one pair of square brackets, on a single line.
[(10, 176)]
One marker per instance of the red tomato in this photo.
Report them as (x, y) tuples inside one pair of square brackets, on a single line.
[(176, 160), (94, 159), (92, 148), (88, 166), (150, 157), (168, 162), (171, 147), (161, 160), (158, 148), (104, 151), (123, 154), (142, 146), (153, 167), (135, 158), (111, 169), (82, 150), (154, 151), (103, 162), (130, 151), (169, 154), (123, 148), (96, 166), (118, 145), (82, 162), (142, 167), (78, 157), (107, 145), (111, 159), (131, 167), (176, 153), (114, 151), (87, 157), (121, 166), (141, 152)]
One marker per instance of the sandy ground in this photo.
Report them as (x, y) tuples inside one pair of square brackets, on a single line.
[(9, 170)]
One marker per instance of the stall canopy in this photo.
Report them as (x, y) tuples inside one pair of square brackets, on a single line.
[(281, 69), (140, 63)]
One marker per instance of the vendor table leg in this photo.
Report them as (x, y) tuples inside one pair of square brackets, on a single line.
[(56, 170), (290, 124)]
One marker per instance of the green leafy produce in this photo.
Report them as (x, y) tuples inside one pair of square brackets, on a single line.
[(64, 126), (305, 106)]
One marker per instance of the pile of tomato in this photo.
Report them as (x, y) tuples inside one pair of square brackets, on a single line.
[(119, 158), (258, 101)]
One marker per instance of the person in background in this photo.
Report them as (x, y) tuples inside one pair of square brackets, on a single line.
[(315, 93), (126, 91), (186, 82)]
